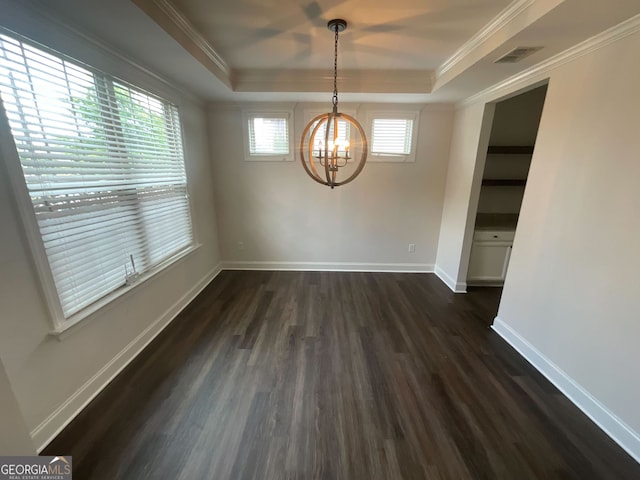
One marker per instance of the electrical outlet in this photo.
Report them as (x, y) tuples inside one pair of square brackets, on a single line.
[(412, 248), (240, 245)]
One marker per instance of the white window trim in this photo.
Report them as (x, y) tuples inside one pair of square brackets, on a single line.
[(62, 331), (28, 217), (413, 114), (9, 156), (273, 113)]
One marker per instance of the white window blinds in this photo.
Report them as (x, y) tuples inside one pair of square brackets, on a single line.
[(268, 135), (391, 136), (104, 167)]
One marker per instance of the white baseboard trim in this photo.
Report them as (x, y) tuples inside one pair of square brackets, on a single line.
[(485, 283), (456, 287), (613, 426), (65, 413), (330, 267)]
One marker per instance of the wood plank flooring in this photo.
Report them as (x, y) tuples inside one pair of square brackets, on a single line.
[(318, 375)]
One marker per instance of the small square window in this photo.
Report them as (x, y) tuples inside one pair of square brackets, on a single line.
[(267, 136), (392, 136)]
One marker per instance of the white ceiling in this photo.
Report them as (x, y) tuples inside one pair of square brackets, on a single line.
[(292, 34), (400, 50)]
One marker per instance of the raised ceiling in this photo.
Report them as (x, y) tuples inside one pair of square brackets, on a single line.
[(292, 34), (400, 50)]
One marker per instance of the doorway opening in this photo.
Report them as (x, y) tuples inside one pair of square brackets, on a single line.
[(506, 168)]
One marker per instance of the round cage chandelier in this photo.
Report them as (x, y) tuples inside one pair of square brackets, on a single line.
[(332, 142)]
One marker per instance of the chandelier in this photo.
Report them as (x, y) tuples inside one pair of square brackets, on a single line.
[(331, 142)]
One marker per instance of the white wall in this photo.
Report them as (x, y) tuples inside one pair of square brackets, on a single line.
[(14, 435), (286, 220), (52, 378), (469, 143), (571, 300)]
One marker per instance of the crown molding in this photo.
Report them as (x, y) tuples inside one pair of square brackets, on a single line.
[(25, 18), (186, 27), (539, 71), (349, 81), (176, 24), (499, 21), (192, 33)]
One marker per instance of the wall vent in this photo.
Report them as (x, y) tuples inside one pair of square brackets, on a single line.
[(518, 54)]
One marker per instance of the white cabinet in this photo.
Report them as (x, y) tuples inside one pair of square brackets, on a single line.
[(490, 254)]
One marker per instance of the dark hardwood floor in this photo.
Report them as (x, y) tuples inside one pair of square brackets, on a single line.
[(292, 375)]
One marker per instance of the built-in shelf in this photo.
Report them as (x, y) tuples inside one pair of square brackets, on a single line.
[(496, 221), (503, 182), (513, 150)]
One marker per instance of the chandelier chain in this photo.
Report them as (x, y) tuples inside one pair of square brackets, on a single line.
[(335, 71)]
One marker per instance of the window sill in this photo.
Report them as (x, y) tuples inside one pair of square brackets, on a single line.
[(285, 157), (76, 321), (392, 158)]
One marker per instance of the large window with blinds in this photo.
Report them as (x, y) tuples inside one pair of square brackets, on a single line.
[(103, 165)]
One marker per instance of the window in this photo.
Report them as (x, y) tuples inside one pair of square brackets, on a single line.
[(392, 136), (104, 168), (267, 136), (344, 131)]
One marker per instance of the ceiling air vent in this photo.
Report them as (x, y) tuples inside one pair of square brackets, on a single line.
[(518, 54)]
